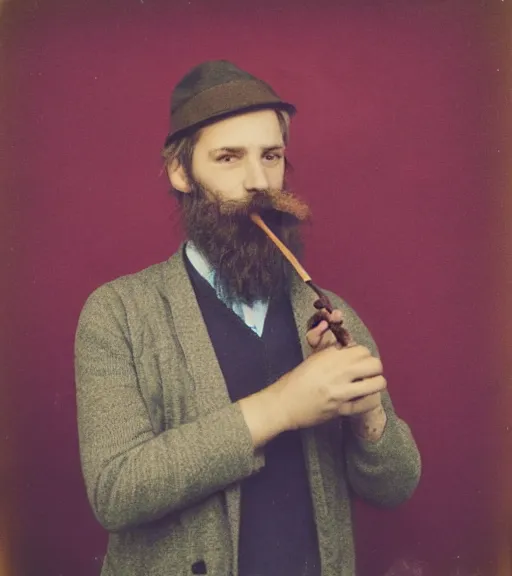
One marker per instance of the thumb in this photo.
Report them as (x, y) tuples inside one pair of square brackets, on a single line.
[(314, 336)]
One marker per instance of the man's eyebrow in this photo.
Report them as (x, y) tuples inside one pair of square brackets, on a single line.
[(238, 149), (275, 147)]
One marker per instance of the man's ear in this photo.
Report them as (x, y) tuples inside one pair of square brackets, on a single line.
[(177, 177)]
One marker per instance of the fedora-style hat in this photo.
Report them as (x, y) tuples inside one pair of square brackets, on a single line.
[(215, 90)]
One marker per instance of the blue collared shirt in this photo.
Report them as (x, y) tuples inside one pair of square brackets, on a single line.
[(254, 316)]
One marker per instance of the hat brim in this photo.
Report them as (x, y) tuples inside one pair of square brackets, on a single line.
[(285, 106)]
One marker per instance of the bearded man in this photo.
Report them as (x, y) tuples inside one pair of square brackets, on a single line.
[(221, 432)]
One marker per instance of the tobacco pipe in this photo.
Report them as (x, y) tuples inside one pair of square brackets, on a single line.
[(341, 334), (323, 302)]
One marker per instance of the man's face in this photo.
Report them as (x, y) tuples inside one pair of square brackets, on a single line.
[(238, 167), (240, 154)]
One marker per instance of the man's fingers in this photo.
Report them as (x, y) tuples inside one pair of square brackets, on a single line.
[(366, 387), (319, 337), (360, 406), (365, 368), (314, 336), (334, 316)]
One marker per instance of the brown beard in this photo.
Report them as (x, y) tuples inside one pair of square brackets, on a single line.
[(248, 265)]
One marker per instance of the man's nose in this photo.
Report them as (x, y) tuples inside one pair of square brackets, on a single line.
[(255, 176)]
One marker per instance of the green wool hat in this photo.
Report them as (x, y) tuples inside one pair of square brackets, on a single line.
[(215, 90)]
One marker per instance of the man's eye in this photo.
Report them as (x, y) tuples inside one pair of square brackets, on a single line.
[(273, 157), (226, 158)]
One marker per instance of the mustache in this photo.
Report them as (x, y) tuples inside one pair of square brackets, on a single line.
[(261, 201)]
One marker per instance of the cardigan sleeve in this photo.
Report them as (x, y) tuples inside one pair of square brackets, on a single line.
[(133, 476), (385, 472)]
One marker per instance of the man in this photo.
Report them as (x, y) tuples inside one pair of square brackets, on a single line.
[(221, 432)]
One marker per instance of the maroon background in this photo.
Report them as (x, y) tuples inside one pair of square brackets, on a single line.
[(395, 147)]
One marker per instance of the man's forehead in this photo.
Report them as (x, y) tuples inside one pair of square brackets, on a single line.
[(256, 129), (237, 149)]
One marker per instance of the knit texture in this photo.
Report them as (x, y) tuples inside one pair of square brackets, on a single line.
[(164, 450)]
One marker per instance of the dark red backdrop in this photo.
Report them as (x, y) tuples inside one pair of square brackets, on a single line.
[(394, 146)]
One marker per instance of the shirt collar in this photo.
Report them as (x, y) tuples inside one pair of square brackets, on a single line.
[(205, 269), (200, 262)]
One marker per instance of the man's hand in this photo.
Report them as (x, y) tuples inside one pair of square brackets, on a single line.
[(331, 382), (370, 423)]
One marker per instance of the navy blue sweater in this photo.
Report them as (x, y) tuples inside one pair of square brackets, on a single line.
[(277, 530)]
